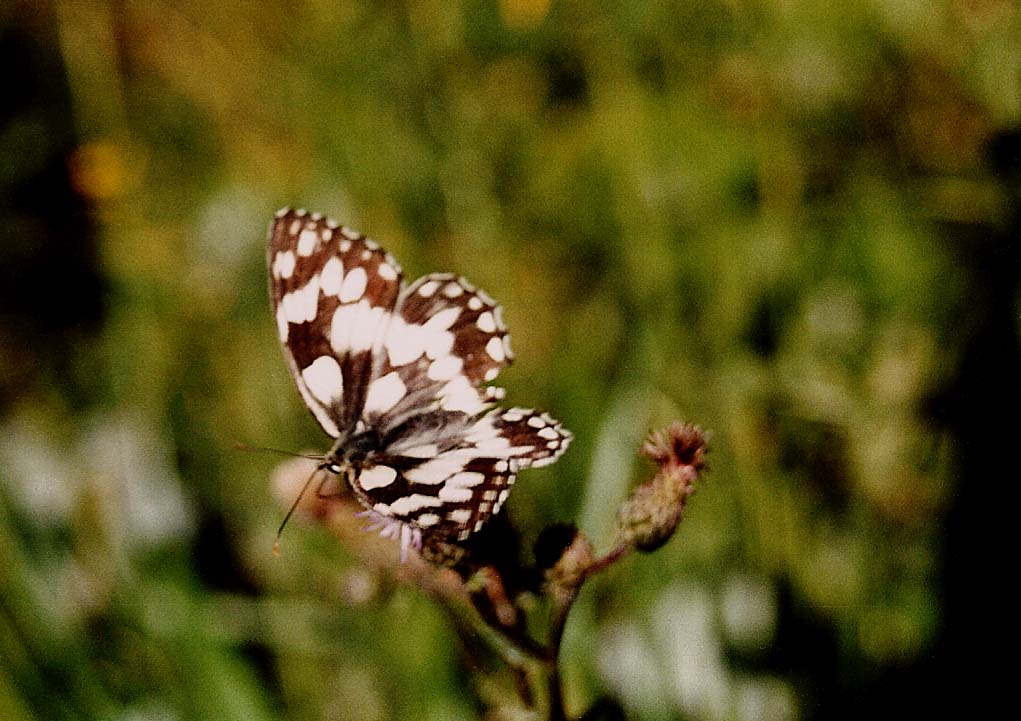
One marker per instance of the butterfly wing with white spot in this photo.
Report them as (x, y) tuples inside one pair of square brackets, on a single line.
[(480, 339), (447, 472), (333, 294), (450, 495), (532, 438), (447, 338)]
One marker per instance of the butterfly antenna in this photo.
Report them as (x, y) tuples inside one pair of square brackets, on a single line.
[(245, 447), (294, 506)]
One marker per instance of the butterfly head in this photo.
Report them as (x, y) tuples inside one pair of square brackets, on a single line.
[(355, 448)]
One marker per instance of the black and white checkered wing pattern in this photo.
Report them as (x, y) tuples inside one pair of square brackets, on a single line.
[(446, 338), (450, 495), (334, 292), (480, 342), (449, 478), (532, 438)]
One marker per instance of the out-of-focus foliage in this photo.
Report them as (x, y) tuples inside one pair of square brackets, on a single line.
[(773, 219)]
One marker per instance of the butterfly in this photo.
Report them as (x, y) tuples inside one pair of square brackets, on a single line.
[(396, 374)]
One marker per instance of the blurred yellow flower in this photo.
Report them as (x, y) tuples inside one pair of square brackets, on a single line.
[(98, 170)]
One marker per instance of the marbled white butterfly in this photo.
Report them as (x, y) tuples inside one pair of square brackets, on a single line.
[(395, 374)]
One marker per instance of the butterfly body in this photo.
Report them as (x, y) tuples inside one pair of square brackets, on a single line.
[(395, 375)]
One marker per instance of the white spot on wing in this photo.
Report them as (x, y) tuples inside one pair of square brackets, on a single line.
[(384, 394), (465, 479), (495, 349), (444, 319), (428, 288), (283, 326), (307, 242), (323, 379), (404, 342), (353, 286), (376, 477), (460, 515), (452, 290), (459, 395), (486, 323), (445, 368), (356, 326), (436, 470), (331, 277), (427, 519), (301, 305), (437, 344), (283, 264), (409, 504), (386, 271), (455, 494)]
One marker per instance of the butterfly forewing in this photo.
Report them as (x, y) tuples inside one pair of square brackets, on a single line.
[(450, 476), (333, 293)]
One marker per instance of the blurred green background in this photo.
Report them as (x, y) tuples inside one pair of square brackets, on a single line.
[(793, 223)]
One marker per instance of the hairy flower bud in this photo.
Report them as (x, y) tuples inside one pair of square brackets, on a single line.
[(650, 516)]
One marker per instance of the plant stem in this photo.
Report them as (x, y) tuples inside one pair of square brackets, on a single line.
[(601, 564)]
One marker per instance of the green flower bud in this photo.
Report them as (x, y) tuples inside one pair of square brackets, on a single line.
[(650, 516)]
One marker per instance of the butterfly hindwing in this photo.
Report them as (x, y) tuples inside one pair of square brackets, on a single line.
[(333, 294), (447, 472), (531, 437), (449, 495)]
